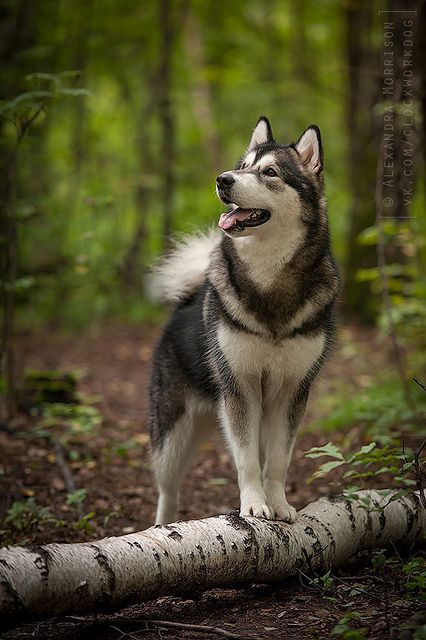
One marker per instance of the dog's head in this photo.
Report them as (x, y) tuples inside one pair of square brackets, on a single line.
[(274, 187)]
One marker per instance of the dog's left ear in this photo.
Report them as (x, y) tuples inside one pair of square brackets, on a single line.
[(262, 133), (309, 148)]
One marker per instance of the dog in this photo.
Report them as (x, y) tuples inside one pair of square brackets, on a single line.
[(253, 324)]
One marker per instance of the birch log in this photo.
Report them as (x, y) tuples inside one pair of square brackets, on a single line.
[(200, 554)]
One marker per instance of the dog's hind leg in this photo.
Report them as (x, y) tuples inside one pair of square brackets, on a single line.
[(172, 457)]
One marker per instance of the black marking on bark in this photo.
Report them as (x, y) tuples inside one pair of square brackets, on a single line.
[(326, 528), (158, 561), (268, 552), (251, 545), (139, 546), (103, 562), (316, 546), (367, 529), (411, 509), (42, 563), (166, 553), (279, 532), (222, 543), (179, 555), (175, 535), (382, 517), (203, 567), (234, 545), (349, 509)]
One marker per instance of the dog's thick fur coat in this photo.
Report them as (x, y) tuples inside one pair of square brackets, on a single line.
[(253, 325)]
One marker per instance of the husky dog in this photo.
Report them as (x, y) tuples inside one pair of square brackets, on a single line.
[(252, 326)]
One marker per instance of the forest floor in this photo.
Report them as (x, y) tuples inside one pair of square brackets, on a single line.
[(110, 461)]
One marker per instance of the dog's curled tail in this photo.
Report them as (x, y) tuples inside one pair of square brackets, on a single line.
[(179, 274)]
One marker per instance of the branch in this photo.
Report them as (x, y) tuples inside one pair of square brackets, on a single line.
[(202, 554)]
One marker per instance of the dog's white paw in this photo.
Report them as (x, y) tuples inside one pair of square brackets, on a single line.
[(285, 512), (257, 509)]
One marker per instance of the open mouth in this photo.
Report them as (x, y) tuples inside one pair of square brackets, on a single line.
[(239, 219)]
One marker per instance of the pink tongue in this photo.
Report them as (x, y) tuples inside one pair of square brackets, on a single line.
[(228, 219)]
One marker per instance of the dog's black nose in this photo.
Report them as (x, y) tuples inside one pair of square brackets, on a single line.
[(225, 180)]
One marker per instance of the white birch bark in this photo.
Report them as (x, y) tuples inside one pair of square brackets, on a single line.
[(200, 554)]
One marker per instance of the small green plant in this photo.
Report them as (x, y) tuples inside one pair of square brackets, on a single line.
[(26, 516), (324, 582), (79, 418), (85, 522), (370, 461), (415, 570), (383, 564), (75, 500), (76, 497), (346, 629)]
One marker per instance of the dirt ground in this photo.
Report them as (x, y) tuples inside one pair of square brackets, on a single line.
[(112, 464)]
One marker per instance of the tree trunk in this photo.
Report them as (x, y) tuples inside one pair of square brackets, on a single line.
[(202, 98), (201, 554), (166, 117), (364, 84), (17, 33)]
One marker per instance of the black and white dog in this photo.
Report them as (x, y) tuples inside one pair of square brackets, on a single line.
[(252, 326)]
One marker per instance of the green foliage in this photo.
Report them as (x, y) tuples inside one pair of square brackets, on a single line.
[(324, 582), (345, 628), (27, 516), (403, 278), (378, 410), (415, 570), (85, 523), (78, 418), (76, 497), (370, 461)]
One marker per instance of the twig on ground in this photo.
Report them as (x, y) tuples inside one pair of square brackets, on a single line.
[(66, 472), (124, 634), (198, 627), (157, 623)]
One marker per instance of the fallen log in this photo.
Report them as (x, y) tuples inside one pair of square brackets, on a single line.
[(200, 554)]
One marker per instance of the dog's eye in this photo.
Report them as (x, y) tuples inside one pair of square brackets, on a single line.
[(270, 172)]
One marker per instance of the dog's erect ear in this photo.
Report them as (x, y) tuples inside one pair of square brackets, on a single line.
[(262, 133), (309, 148)]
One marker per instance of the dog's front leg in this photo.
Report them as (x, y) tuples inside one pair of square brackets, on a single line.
[(278, 439), (240, 420), (278, 434)]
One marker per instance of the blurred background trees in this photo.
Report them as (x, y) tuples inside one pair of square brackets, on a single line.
[(124, 113)]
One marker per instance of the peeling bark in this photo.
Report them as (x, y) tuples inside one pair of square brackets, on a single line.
[(201, 554)]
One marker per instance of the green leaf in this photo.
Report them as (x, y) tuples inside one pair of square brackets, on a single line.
[(66, 91), (362, 452), (328, 466), (368, 236), (328, 449), (367, 275)]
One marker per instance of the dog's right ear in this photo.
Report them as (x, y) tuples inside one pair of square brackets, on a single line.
[(262, 133)]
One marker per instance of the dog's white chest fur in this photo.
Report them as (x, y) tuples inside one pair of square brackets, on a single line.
[(289, 361)]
